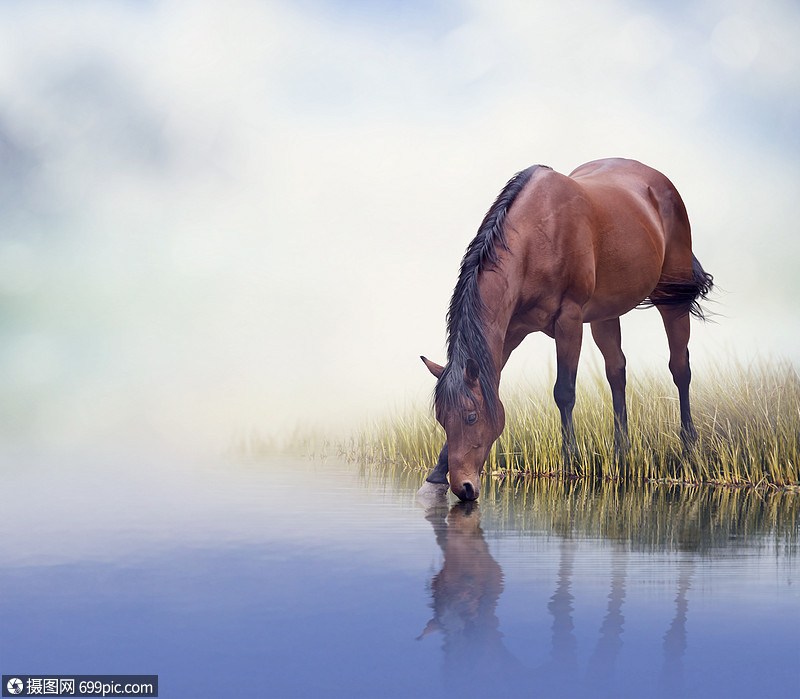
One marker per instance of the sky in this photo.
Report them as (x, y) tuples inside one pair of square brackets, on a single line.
[(242, 218)]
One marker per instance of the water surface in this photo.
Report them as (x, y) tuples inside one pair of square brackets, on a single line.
[(283, 577)]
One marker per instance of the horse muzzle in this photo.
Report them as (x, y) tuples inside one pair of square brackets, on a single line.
[(466, 490)]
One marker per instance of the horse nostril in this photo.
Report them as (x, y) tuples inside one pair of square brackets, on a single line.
[(469, 490)]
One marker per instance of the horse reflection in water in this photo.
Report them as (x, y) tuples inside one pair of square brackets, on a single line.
[(602, 663), (465, 595), (671, 683)]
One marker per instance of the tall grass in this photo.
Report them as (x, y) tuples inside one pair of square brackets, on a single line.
[(747, 417)]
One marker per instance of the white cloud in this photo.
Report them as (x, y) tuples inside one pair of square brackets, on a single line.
[(735, 42)]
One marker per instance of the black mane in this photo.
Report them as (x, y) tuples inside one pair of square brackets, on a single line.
[(466, 337)]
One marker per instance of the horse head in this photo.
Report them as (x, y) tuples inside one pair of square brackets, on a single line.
[(470, 411)]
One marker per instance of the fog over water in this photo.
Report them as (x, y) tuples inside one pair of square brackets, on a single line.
[(294, 578), (224, 217)]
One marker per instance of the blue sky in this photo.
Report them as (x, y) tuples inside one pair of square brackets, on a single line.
[(219, 217)]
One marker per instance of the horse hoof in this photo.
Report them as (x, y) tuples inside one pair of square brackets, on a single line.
[(432, 495)]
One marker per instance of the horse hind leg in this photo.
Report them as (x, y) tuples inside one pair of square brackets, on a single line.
[(608, 338), (678, 298), (676, 324)]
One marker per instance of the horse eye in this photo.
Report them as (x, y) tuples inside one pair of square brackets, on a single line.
[(472, 418)]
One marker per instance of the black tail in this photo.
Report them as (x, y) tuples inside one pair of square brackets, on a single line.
[(682, 294)]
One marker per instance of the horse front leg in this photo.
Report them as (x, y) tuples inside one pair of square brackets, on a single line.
[(568, 336), (433, 492), (439, 473)]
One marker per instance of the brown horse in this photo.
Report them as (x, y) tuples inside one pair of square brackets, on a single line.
[(555, 252)]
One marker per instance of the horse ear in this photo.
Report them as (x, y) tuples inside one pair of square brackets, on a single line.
[(431, 627), (433, 367), (471, 371)]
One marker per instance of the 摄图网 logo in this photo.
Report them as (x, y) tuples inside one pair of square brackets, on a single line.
[(14, 686)]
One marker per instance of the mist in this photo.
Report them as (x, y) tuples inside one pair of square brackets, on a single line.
[(221, 219)]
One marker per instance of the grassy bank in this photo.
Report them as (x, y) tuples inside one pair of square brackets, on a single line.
[(748, 419)]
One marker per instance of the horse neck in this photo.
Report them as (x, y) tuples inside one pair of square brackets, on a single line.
[(500, 298)]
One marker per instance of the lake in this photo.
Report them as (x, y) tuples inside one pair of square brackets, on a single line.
[(287, 577)]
